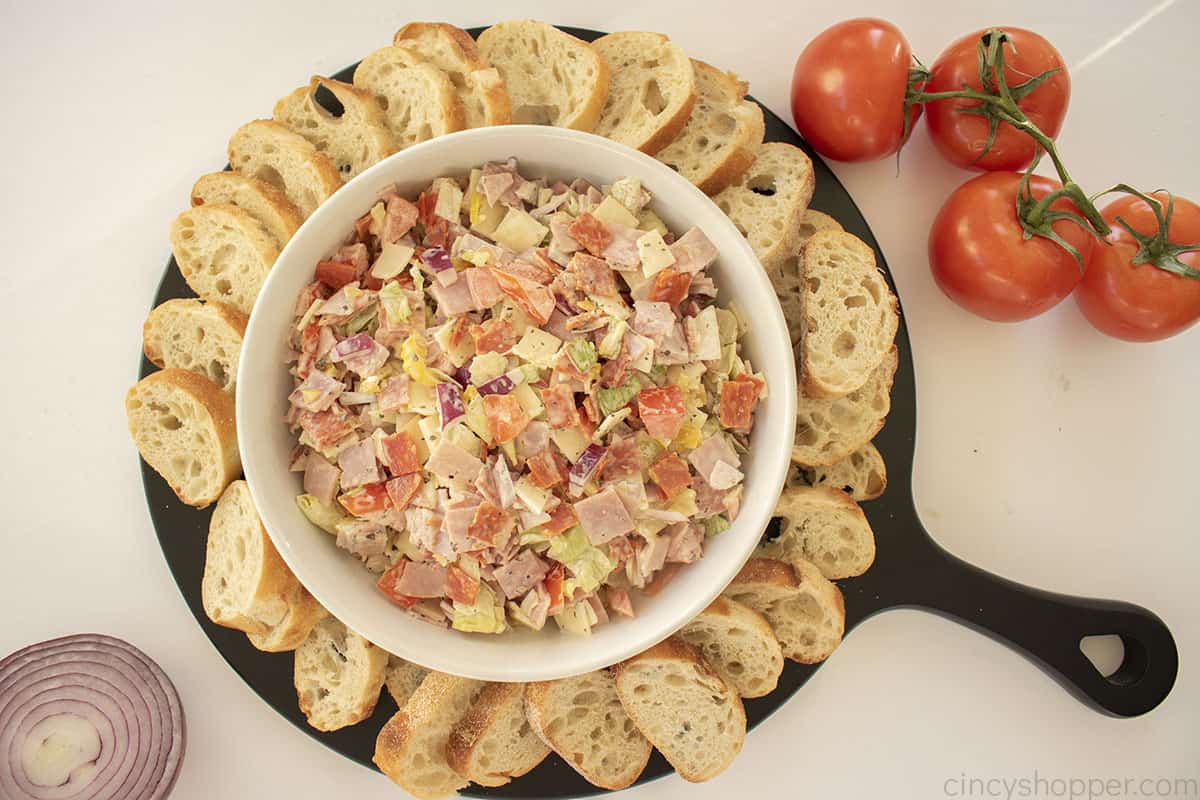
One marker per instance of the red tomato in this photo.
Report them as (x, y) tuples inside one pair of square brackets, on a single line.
[(848, 90), (336, 273), (387, 584), (554, 587), (662, 411), (982, 261), (1141, 303), (961, 137), (670, 286), (400, 454)]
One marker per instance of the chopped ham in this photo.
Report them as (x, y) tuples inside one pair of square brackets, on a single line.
[(533, 440), (693, 251), (449, 463), (539, 609), (619, 602), (393, 396), (603, 516), (622, 252), (652, 319), (456, 523), (401, 216), (673, 348), (712, 450), (318, 391), (593, 275), (624, 458), (354, 254), (422, 579), (454, 299), (321, 479), (560, 238), (368, 362), (484, 290), (363, 539), (505, 489), (358, 464), (653, 554), (521, 574), (709, 501), (632, 491), (687, 543)]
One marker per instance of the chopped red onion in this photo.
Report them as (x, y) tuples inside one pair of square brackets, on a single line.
[(88, 717), (564, 305), (450, 403), (437, 259), (583, 469), (463, 375), (358, 343), (500, 385)]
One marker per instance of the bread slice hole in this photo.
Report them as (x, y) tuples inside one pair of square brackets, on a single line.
[(855, 301), (762, 184), (170, 422), (326, 101), (653, 99), (724, 125), (844, 344), (535, 114)]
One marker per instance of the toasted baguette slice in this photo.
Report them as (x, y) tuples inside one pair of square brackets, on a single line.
[(552, 77), (402, 679), (223, 253), (338, 676), (738, 642), (850, 315), (494, 743), (265, 203), (411, 747), (862, 474), (245, 583), (829, 430), (684, 707), (353, 140), (768, 201), (722, 136), (452, 50), (581, 718), (826, 527), (272, 153), (787, 274), (301, 614), (418, 99), (184, 426), (806, 611), (203, 337), (651, 90)]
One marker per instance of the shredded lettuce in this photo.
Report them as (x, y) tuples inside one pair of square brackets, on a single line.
[(579, 617), (582, 354), (485, 615), (650, 450), (588, 564), (324, 517), (715, 525), (610, 400), (362, 319), (395, 302)]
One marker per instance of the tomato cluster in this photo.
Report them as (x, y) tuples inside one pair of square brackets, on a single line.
[(857, 93)]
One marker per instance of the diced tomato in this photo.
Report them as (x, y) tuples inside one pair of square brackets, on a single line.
[(400, 454), (488, 524), (426, 202), (591, 233), (532, 298), (618, 601), (494, 336), (661, 579), (366, 500), (738, 399), (505, 417), (372, 283), (560, 406), (593, 275), (325, 428), (437, 233), (362, 229), (662, 411), (461, 587), (622, 459), (554, 587), (671, 474), (389, 580), (562, 518), (670, 286), (336, 274), (403, 489), (547, 469)]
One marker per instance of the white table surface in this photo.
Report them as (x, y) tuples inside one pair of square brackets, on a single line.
[(1047, 453)]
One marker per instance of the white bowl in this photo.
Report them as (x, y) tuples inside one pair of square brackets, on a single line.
[(338, 580)]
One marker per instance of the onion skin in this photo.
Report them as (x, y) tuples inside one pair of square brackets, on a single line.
[(73, 691)]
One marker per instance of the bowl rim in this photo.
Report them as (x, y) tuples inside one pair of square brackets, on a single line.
[(585, 658)]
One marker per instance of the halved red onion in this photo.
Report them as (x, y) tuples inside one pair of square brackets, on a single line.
[(500, 385), (88, 717), (450, 403), (582, 470), (437, 259)]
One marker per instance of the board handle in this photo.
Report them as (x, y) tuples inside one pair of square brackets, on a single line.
[(1047, 628)]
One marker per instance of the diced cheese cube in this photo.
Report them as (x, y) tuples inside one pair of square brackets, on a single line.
[(518, 231), (531, 404), (649, 221), (421, 399), (393, 260), (533, 497), (538, 347), (544, 195), (449, 199), (487, 366), (570, 441), (477, 419), (378, 216), (727, 325), (610, 345), (703, 335), (613, 306), (457, 353), (484, 218), (656, 256), (431, 432), (634, 279), (643, 347), (462, 436), (611, 211), (628, 192)]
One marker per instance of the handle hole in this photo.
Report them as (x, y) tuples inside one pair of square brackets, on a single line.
[(1120, 659)]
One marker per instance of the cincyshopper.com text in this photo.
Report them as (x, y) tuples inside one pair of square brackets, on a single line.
[(1037, 786)]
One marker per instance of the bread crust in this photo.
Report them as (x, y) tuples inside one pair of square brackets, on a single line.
[(276, 213), (319, 166), (460, 749), (806, 456), (227, 315)]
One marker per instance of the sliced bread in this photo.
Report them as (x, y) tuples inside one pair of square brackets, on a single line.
[(418, 99), (203, 337), (787, 274), (354, 139), (805, 609), (223, 253), (273, 153), (246, 583), (494, 742), (185, 429), (723, 134), (301, 614), (266, 203), (581, 718), (479, 86), (411, 746), (552, 77), (767, 202), (829, 430), (862, 474), (338, 676), (739, 643), (849, 318), (684, 707), (402, 679), (651, 91), (826, 527)]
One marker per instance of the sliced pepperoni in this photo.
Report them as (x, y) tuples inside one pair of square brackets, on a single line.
[(461, 326), (560, 406), (505, 417), (489, 524), (624, 459), (670, 286), (591, 233), (532, 298), (325, 428), (547, 469), (400, 454), (662, 411), (562, 518), (671, 474), (494, 336), (738, 399), (362, 229), (461, 587), (336, 274), (388, 582), (426, 202), (593, 275), (437, 233), (553, 582), (402, 490), (368, 499)]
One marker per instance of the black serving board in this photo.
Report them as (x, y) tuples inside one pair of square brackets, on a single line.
[(910, 571)]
